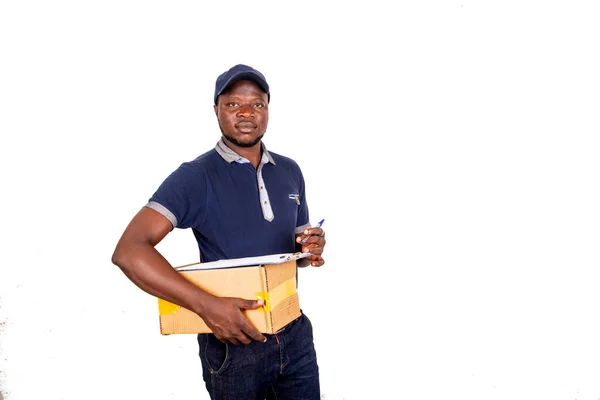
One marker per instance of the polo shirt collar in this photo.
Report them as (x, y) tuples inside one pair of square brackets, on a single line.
[(230, 156)]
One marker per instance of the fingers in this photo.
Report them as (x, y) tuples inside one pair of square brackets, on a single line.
[(233, 340), (308, 233), (316, 260), (229, 324), (231, 337), (245, 327), (251, 304), (314, 243), (320, 240), (243, 333), (254, 334), (315, 232)]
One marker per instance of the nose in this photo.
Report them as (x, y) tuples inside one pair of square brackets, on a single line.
[(246, 110)]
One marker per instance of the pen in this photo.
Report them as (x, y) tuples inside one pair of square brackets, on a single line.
[(318, 226)]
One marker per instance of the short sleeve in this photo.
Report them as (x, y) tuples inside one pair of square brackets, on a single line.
[(302, 221), (181, 197)]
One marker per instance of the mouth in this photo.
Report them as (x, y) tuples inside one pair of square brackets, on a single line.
[(246, 127), (245, 124)]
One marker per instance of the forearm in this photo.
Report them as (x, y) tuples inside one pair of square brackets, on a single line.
[(152, 273)]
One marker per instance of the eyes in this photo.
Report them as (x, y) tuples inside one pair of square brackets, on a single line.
[(257, 105)]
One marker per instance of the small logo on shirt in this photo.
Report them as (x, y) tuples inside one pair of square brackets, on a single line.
[(295, 197)]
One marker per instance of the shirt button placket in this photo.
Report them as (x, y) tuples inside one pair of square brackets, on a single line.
[(264, 195)]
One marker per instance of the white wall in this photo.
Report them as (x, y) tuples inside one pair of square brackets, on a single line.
[(452, 147)]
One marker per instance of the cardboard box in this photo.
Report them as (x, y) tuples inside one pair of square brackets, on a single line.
[(271, 278)]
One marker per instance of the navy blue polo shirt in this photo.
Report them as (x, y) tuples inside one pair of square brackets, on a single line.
[(234, 209)]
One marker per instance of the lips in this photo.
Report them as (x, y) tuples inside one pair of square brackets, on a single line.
[(245, 124)]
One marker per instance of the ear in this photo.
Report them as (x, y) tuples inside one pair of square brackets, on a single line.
[(216, 110)]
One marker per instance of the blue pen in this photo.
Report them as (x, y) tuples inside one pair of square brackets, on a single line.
[(318, 226)]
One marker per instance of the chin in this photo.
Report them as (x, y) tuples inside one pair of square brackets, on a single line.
[(244, 141)]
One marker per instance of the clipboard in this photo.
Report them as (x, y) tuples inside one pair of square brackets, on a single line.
[(245, 261)]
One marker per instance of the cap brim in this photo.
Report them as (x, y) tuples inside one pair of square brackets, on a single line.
[(244, 76)]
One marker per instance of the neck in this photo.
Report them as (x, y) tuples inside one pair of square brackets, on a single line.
[(252, 154)]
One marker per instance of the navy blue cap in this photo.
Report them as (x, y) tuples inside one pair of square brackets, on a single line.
[(240, 72)]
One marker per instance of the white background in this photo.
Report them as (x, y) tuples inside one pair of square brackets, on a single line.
[(452, 147)]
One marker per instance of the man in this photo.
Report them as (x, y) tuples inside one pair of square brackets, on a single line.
[(240, 201)]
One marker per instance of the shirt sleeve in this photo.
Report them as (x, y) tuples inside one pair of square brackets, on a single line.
[(181, 198), (302, 221)]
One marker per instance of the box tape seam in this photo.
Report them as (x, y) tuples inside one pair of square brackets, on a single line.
[(273, 297)]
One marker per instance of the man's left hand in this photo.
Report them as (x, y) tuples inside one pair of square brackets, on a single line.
[(314, 244)]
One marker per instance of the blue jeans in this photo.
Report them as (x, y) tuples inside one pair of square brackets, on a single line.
[(282, 368)]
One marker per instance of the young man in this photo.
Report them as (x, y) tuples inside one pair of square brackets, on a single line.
[(240, 201)]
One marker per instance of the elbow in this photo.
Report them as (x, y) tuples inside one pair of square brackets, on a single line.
[(115, 258), (122, 260), (118, 258)]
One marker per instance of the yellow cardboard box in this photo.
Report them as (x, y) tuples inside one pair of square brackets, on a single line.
[(271, 278)]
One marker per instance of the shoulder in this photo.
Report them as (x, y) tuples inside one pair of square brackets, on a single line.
[(200, 163), (285, 162), (189, 171), (205, 159)]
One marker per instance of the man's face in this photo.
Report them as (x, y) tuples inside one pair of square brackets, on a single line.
[(243, 113)]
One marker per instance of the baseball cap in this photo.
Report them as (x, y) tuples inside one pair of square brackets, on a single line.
[(240, 72)]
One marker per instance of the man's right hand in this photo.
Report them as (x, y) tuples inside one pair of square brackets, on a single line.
[(224, 317)]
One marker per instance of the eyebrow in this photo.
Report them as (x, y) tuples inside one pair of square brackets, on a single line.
[(232, 98)]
